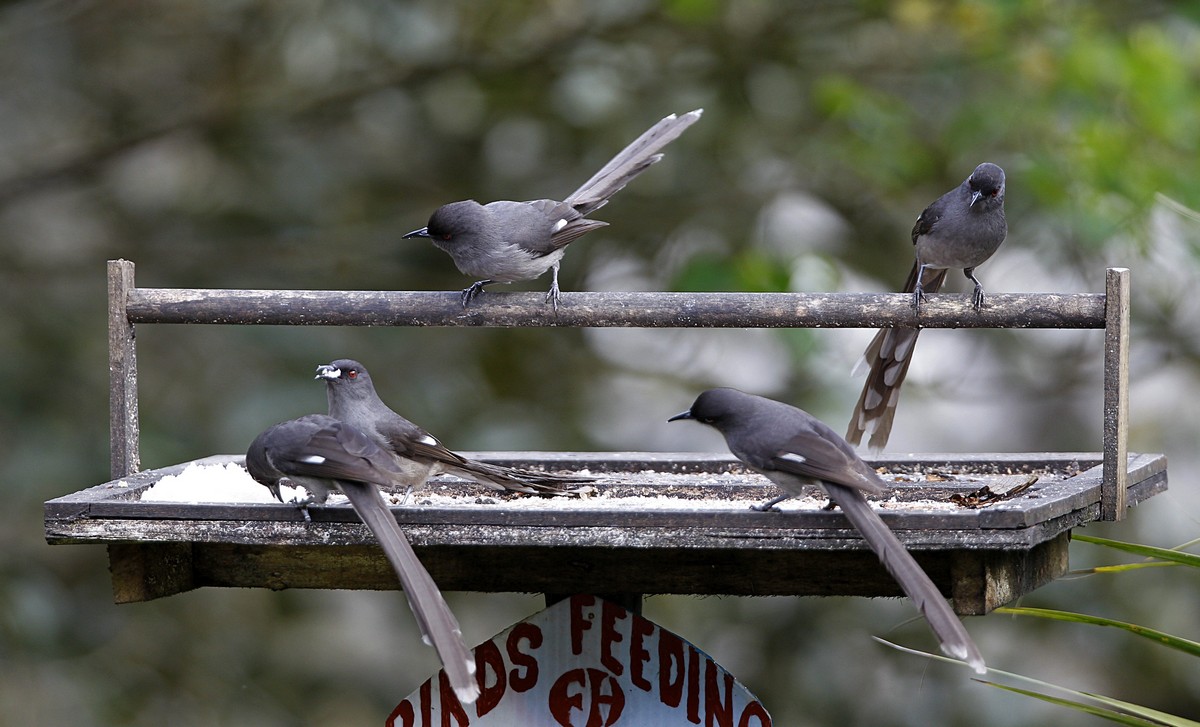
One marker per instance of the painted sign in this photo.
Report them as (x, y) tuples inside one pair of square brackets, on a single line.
[(586, 662)]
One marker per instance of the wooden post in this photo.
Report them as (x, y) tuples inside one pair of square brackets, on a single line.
[(1113, 492), (124, 459)]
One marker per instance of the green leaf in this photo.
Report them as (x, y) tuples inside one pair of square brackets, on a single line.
[(1175, 642), (1151, 716), (1109, 714), (1148, 551)]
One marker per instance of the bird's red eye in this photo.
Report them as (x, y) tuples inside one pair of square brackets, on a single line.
[(351, 374), (995, 192), (446, 236)]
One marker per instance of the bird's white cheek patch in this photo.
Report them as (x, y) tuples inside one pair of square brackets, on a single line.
[(313, 459)]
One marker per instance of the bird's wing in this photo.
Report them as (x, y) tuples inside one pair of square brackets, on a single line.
[(336, 451), (925, 222), (816, 452), (412, 442), (567, 223)]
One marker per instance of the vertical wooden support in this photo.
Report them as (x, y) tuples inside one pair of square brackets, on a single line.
[(124, 459), (144, 572), (1113, 496)]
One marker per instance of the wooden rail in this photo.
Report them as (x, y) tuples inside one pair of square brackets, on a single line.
[(130, 306)]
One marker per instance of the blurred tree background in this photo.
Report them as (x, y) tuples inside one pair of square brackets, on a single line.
[(290, 145)]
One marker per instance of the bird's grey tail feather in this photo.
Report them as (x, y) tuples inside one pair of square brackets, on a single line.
[(950, 632), (630, 162), (508, 478), (438, 625), (888, 357)]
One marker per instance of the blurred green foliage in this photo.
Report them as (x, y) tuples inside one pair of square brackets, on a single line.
[(289, 145)]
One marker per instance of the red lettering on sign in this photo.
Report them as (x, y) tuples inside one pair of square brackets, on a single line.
[(717, 711), (580, 621), (610, 613), (670, 668), (605, 701), (638, 654), (404, 713), (524, 680), (489, 666), (451, 707), (755, 711), (693, 685)]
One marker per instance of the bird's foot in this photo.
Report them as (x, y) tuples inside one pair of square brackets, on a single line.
[(770, 505), (977, 297), (301, 504), (918, 297), (472, 292), (552, 296), (765, 507), (830, 506)]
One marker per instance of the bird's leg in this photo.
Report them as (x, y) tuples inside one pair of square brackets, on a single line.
[(471, 293), (407, 492), (769, 505), (552, 295), (977, 294), (301, 504), (919, 289)]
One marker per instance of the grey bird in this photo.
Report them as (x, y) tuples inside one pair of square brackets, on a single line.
[(502, 242), (794, 449), (324, 455), (353, 399), (961, 230)]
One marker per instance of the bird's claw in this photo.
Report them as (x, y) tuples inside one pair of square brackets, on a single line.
[(766, 507), (918, 297), (552, 296), (472, 292), (977, 297)]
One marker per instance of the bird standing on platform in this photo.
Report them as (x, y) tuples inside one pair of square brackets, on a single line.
[(961, 230), (353, 399), (503, 241), (794, 449), (323, 454)]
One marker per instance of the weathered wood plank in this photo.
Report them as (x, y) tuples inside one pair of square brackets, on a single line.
[(636, 309), (145, 571), (503, 546), (708, 478), (1114, 495), (985, 580), (707, 571), (122, 373)]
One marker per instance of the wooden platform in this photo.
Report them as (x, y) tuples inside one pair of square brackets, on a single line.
[(700, 537), (697, 536)]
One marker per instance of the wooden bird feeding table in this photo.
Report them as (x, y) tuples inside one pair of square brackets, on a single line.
[(987, 528)]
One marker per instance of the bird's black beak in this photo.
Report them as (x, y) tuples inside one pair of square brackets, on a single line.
[(327, 371), (423, 232), (682, 415)]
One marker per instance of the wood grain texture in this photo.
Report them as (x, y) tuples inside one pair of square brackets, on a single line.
[(1115, 499), (603, 310), (981, 557)]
